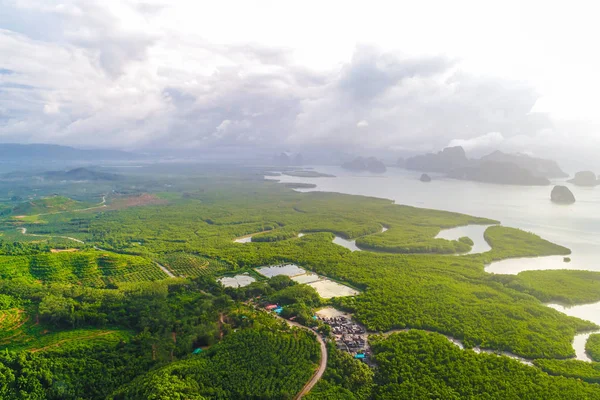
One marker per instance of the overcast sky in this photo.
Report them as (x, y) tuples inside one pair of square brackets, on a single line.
[(357, 75)]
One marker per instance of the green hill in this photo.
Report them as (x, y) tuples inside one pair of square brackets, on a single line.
[(47, 205)]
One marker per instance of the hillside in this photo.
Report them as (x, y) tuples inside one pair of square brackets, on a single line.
[(47, 205), (80, 174)]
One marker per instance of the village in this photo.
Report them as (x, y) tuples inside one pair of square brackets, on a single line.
[(349, 336)]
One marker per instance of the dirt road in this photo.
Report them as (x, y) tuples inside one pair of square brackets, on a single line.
[(24, 232), (165, 270), (322, 365)]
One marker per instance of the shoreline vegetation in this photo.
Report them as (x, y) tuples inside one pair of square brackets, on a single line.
[(420, 283)]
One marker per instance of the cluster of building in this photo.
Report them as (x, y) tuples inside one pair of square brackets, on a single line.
[(349, 336), (277, 309)]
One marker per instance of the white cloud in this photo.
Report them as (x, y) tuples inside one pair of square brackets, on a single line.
[(127, 74), (490, 140), (51, 108)]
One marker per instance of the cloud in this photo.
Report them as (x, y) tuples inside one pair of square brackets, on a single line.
[(488, 141), (51, 108), (111, 74), (371, 73)]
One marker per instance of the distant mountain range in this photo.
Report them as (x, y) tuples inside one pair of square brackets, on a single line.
[(80, 174), (370, 164), (498, 172), (41, 152), (77, 174), (497, 167), (443, 161)]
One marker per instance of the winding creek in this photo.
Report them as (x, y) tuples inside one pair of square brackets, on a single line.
[(350, 244), (513, 266), (576, 226), (590, 312), (474, 232), (460, 344), (328, 289)]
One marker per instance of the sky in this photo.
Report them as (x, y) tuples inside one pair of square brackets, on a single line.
[(356, 76)]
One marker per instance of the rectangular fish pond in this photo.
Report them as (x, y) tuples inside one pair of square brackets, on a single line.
[(237, 281), (324, 286)]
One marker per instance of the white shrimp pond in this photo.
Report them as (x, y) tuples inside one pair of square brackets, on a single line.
[(240, 280), (324, 286)]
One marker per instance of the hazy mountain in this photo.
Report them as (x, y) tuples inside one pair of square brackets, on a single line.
[(443, 161), (497, 167), (41, 152), (498, 172), (536, 166), (80, 174), (370, 164), (585, 178), (287, 158)]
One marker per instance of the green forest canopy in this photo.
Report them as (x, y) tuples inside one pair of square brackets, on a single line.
[(113, 306)]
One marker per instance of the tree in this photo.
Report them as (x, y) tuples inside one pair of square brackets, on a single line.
[(57, 309), (280, 282)]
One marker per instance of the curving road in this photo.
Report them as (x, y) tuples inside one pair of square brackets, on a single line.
[(322, 365), (24, 232), (99, 205)]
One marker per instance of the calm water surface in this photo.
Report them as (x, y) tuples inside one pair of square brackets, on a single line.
[(590, 312), (575, 226), (475, 232)]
